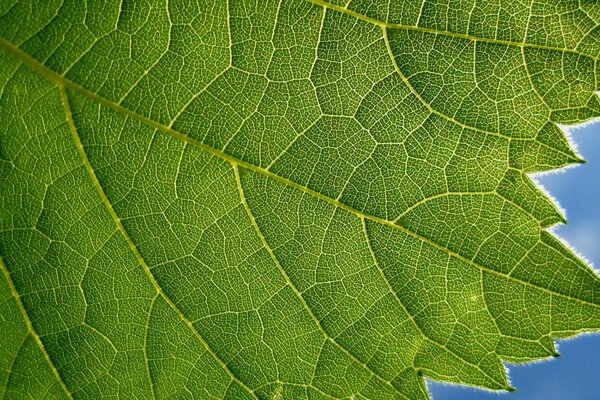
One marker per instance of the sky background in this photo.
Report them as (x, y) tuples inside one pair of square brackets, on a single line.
[(575, 375)]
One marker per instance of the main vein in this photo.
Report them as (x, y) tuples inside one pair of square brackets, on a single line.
[(61, 81)]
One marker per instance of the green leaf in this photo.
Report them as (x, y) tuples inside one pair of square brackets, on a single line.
[(286, 200)]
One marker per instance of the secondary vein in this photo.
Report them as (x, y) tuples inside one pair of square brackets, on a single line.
[(384, 25), (293, 287), (31, 329), (132, 246), (410, 316)]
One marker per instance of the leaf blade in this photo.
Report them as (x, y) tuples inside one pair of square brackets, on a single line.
[(351, 181)]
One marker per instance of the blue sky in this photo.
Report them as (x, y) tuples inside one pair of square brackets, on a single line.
[(576, 374)]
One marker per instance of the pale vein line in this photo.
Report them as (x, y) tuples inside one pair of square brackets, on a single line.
[(10, 369), (145, 346), (132, 246), (62, 82), (384, 25), (214, 79), (410, 316), (31, 330), (293, 287), (533, 86), (452, 194), (444, 116)]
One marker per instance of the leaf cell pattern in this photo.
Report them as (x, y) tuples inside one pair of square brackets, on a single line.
[(286, 199)]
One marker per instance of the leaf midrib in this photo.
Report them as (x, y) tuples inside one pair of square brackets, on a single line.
[(61, 81), (385, 25)]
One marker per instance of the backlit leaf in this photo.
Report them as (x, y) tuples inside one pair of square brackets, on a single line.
[(286, 200)]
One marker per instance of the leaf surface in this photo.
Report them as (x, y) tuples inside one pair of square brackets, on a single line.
[(286, 199)]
